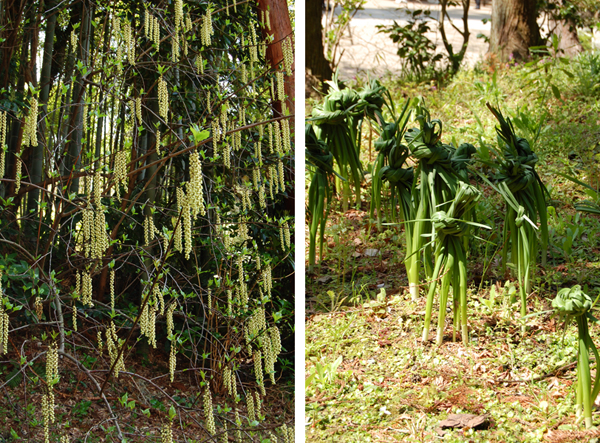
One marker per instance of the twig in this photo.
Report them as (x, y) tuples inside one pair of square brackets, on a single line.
[(541, 377)]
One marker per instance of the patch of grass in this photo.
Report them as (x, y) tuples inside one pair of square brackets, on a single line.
[(369, 375)]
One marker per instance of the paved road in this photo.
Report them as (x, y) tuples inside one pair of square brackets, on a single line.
[(367, 51)]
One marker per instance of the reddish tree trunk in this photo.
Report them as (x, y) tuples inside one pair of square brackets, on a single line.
[(281, 28)]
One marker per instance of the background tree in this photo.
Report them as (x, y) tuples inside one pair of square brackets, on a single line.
[(514, 28), (315, 53)]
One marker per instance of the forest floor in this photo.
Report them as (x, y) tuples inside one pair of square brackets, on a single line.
[(370, 377), (140, 398)]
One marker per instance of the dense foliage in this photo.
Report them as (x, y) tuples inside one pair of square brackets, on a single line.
[(146, 197)]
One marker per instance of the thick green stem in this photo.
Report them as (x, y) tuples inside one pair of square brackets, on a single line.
[(444, 294), (429, 307), (583, 372)]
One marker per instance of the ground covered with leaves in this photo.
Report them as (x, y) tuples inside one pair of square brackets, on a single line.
[(141, 397), (369, 376)]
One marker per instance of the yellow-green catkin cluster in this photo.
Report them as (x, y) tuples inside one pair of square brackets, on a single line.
[(183, 203), (284, 235), (100, 243), (257, 404), (152, 29), (74, 316), (253, 48), (285, 136), (166, 433), (112, 344), (93, 238), (281, 176), (116, 26), (258, 370), (39, 308), (158, 299), (267, 280), (280, 87), (2, 143), (149, 229), (199, 64), (287, 433), (256, 179), (170, 336), (99, 339), (3, 322), (138, 110), (163, 98), (288, 55), (177, 234), (175, 47), (112, 290), (238, 422), (48, 398), (86, 289), (229, 382), (120, 177), (74, 40), (250, 406), (194, 186), (29, 138), (208, 412), (206, 31), (172, 361), (129, 43), (148, 324), (272, 346)]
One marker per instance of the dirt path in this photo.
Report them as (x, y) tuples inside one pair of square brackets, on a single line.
[(367, 51)]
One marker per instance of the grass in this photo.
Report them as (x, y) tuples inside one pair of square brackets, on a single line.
[(369, 375)]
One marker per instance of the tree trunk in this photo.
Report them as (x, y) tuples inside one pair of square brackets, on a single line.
[(514, 29), (38, 154), (78, 102), (315, 53)]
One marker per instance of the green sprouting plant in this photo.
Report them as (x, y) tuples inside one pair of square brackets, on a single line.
[(338, 122), (451, 226), (331, 125), (568, 229), (574, 303), (591, 205), (523, 241), (320, 160), (490, 91), (389, 166), (323, 372), (415, 49), (586, 73), (525, 196), (439, 169)]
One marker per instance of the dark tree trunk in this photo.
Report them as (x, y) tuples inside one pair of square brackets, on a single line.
[(514, 28), (38, 151), (315, 54)]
